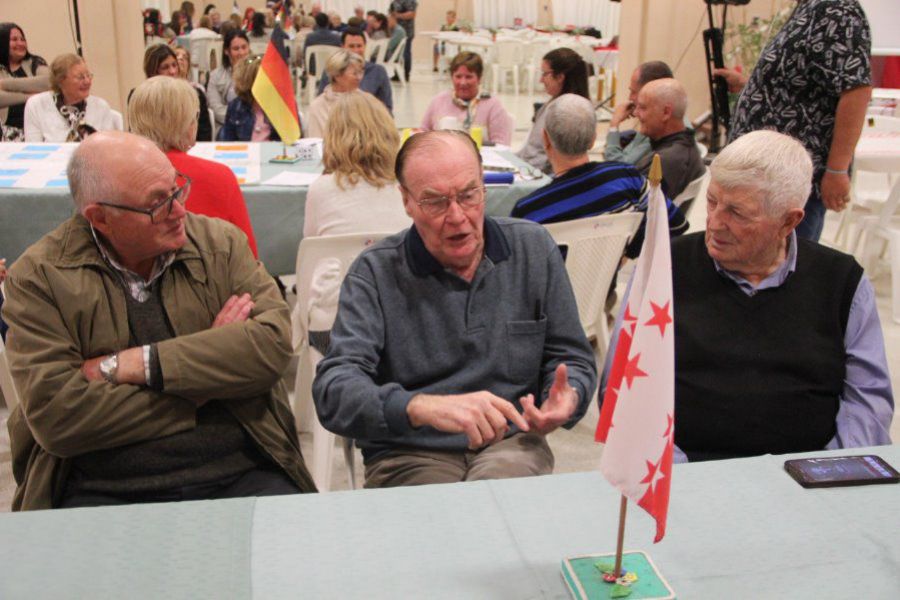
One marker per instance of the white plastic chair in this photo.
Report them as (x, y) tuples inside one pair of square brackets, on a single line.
[(688, 196), (205, 53), (534, 55), (376, 50), (595, 248), (7, 385), (213, 124), (508, 56), (321, 52), (394, 63), (340, 251), (258, 46), (878, 235), (118, 121)]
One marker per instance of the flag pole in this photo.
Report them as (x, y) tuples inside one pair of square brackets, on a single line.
[(620, 540), (655, 176)]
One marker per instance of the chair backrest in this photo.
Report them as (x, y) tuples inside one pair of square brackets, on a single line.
[(7, 385), (258, 46), (342, 250), (595, 248), (397, 56), (321, 52), (693, 188), (509, 52), (376, 49), (212, 124), (199, 48)]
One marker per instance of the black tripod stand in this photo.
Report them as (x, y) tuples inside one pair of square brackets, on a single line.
[(713, 41)]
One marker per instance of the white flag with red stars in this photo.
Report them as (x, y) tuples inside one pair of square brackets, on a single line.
[(637, 415)]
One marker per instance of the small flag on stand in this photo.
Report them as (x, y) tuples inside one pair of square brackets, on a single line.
[(637, 416), (274, 90)]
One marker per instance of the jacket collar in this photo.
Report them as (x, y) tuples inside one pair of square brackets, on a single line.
[(78, 249), (422, 262)]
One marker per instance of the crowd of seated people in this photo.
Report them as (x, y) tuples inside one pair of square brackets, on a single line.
[(175, 258)]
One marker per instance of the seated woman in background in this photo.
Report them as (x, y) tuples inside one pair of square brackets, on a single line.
[(464, 107), (358, 191), (68, 112), (245, 120), (161, 59), (178, 23), (376, 26), (563, 71), (258, 27), (164, 110), (345, 71), (220, 88), (183, 56), (22, 74)]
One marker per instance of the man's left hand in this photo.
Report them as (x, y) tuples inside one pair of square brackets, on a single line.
[(835, 188), (556, 410)]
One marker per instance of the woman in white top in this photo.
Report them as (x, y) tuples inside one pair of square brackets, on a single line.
[(345, 71), (357, 194), (220, 88), (68, 112)]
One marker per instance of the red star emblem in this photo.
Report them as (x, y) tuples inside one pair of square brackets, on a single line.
[(669, 426), (632, 370), (628, 316), (661, 317)]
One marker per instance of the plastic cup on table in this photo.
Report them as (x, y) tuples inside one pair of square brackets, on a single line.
[(477, 134)]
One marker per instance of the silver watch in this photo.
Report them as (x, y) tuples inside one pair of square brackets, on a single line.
[(109, 366)]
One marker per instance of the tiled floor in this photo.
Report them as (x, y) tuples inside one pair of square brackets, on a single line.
[(575, 449)]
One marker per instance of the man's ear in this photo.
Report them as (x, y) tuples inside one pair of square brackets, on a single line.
[(407, 200), (97, 217), (790, 221), (546, 139)]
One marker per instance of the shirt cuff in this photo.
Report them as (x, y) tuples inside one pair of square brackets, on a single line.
[(395, 414), (152, 368), (146, 357)]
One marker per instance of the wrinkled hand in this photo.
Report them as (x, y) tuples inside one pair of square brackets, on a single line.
[(482, 416), (236, 310), (835, 188), (91, 369), (621, 112), (735, 79), (556, 410)]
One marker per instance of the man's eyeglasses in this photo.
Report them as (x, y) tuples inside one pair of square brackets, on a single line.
[(438, 205), (160, 211)]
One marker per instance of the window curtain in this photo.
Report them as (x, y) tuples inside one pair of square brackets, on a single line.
[(602, 14), (503, 13)]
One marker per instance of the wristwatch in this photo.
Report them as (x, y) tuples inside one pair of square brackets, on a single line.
[(108, 368)]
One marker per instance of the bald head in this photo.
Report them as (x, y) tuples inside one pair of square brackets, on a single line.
[(102, 165), (438, 141), (660, 108)]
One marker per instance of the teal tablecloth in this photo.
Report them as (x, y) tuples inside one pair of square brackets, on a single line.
[(738, 529), (276, 212)]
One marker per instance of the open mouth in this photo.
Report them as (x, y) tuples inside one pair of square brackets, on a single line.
[(459, 237)]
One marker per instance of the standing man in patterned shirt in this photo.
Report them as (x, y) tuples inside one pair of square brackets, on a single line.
[(813, 82), (405, 12)]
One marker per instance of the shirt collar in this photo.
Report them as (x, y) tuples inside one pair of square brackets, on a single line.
[(775, 279), (137, 285), (422, 262)]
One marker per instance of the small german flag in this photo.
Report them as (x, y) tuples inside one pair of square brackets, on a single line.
[(273, 90)]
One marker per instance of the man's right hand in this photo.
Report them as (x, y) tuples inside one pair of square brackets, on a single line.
[(622, 111), (735, 79), (236, 310), (482, 416)]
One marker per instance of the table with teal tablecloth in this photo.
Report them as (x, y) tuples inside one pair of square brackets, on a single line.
[(738, 529), (276, 212)]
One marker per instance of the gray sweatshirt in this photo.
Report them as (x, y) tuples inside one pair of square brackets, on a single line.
[(406, 326)]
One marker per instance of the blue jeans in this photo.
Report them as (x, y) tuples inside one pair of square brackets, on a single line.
[(810, 228)]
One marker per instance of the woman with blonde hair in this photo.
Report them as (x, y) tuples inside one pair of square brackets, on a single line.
[(164, 110), (68, 112), (345, 71), (358, 191), (245, 120)]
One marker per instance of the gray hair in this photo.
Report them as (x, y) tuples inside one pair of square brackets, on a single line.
[(571, 124), (340, 60), (668, 91), (87, 181), (775, 164)]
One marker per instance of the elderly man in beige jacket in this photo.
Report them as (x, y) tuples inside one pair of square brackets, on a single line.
[(148, 347)]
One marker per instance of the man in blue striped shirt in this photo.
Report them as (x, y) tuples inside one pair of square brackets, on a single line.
[(581, 187)]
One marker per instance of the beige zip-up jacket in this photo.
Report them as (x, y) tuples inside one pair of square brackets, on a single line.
[(65, 305)]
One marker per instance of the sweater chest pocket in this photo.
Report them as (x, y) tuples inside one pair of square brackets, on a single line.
[(525, 349)]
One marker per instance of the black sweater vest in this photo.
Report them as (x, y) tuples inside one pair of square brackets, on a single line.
[(759, 374)]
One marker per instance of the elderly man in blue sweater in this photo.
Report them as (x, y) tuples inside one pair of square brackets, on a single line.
[(457, 345)]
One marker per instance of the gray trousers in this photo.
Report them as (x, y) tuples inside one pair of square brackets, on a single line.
[(519, 455)]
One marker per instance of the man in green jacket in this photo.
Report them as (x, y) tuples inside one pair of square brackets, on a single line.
[(148, 347)]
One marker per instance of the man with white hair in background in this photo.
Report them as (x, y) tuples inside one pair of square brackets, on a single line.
[(148, 346), (778, 346), (660, 108), (581, 187)]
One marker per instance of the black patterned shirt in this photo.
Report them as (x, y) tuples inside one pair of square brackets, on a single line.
[(822, 51), (402, 6)]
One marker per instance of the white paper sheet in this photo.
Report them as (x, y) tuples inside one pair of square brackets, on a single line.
[(292, 179)]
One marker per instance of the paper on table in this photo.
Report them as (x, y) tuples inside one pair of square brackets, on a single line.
[(292, 178), (491, 158)]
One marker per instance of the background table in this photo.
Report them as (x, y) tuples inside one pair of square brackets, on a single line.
[(276, 212), (737, 529)]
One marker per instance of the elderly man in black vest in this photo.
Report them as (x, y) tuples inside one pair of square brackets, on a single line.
[(778, 346)]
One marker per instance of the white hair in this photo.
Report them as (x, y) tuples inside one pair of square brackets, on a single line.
[(571, 124), (87, 181), (775, 164), (668, 91)]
